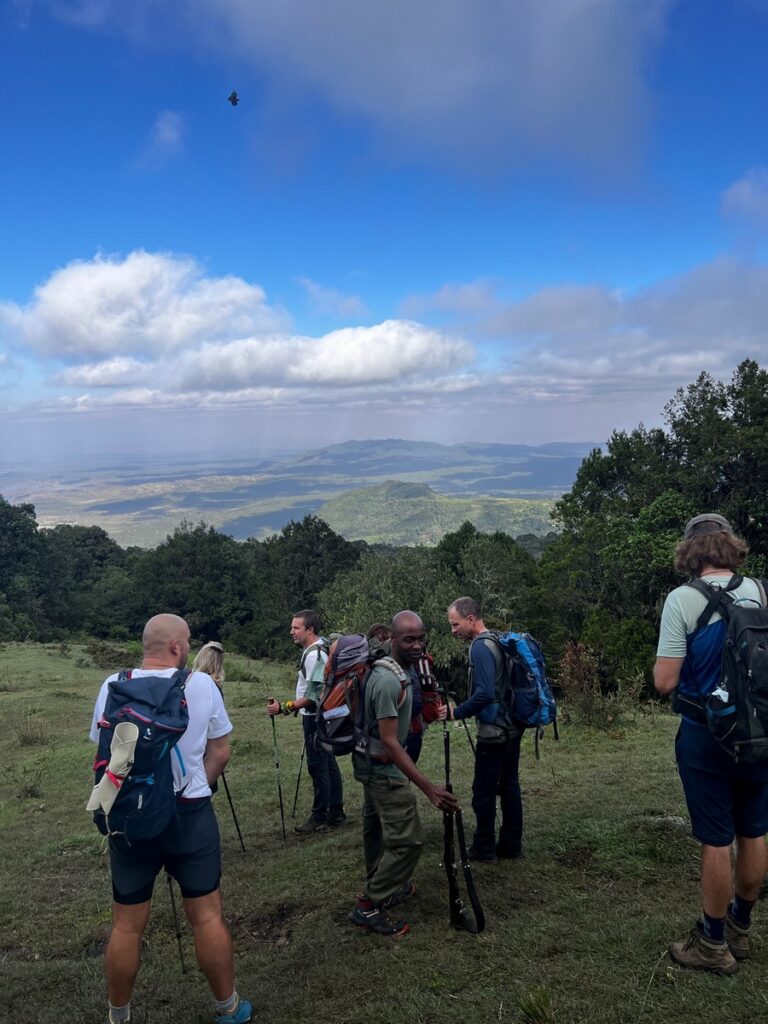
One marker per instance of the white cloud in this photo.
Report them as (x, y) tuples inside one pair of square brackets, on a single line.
[(746, 200), (384, 354), (166, 142), (333, 302), (143, 303), (152, 324), (152, 331), (110, 373), (489, 83), (583, 342)]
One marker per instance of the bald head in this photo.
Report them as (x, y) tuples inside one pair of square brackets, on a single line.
[(166, 642), (408, 638), (406, 622)]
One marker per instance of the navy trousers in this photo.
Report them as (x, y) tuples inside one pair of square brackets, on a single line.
[(325, 775), (497, 774)]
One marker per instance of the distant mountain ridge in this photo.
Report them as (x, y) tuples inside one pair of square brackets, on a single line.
[(253, 498)]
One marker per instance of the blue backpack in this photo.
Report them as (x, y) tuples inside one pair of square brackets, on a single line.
[(146, 801), (527, 694)]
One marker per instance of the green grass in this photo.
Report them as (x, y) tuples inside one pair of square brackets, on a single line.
[(575, 931)]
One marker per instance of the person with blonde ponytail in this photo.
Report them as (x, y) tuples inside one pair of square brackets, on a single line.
[(210, 659)]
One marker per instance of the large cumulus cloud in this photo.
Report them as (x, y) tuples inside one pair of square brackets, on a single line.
[(150, 327), (144, 302)]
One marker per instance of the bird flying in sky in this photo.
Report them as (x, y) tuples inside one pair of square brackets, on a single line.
[(233, 98)]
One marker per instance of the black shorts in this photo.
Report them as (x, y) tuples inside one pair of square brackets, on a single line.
[(724, 799), (189, 850)]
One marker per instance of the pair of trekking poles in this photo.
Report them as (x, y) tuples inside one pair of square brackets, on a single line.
[(279, 784), (461, 917)]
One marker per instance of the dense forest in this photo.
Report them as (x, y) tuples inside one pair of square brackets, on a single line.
[(592, 595)]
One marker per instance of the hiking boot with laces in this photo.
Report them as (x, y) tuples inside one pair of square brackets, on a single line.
[(400, 896), (366, 915), (737, 937), (703, 954), (241, 1014)]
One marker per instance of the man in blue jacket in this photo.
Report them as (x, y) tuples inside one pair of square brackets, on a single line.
[(497, 752)]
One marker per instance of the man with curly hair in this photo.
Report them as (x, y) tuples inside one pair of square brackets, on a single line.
[(727, 801)]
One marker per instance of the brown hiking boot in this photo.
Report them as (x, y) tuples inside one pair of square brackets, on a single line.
[(702, 954), (737, 938)]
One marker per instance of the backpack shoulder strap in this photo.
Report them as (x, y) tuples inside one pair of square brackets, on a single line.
[(396, 669), (316, 646), (492, 642), (495, 646), (718, 598), (761, 591)]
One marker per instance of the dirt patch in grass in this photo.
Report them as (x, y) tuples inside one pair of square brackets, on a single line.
[(18, 954), (274, 927), (577, 857), (96, 943)]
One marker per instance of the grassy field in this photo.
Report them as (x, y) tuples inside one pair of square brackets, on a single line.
[(576, 931)]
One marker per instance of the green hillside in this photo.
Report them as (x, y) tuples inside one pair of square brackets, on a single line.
[(411, 513)]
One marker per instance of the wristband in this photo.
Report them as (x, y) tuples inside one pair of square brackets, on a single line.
[(288, 708)]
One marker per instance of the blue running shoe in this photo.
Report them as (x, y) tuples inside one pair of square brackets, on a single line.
[(240, 1015)]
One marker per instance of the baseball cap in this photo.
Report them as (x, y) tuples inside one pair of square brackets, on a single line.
[(709, 522)]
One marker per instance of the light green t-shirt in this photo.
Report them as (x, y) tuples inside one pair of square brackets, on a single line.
[(683, 607), (382, 693)]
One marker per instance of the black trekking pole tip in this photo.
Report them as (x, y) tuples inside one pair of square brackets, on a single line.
[(463, 922)]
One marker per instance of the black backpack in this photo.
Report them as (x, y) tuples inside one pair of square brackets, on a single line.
[(736, 711), (146, 802)]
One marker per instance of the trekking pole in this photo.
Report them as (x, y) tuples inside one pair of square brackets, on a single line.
[(232, 808), (176, 922), (471, 744), (459, 915), (452, 696), (298, 780), (277, 774)]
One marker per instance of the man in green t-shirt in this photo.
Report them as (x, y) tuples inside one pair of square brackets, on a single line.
[(392, 832)]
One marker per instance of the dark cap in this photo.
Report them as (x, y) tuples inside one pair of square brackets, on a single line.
[(709, 522)]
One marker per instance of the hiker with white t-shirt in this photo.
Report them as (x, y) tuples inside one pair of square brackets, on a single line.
[(328, 802), (188, 848)]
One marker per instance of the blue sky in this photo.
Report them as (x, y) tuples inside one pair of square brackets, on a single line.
[(513, 221)]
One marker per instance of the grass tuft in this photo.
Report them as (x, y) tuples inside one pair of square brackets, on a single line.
[(31, 730), (536, 1007)]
